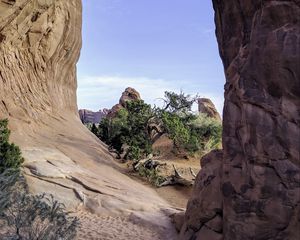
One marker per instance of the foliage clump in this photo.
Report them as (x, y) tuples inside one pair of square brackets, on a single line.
[(24, 216), (31, 217), (130, 131), (152, 175), (207, 131), (189, 131), (10, 154), (128, 128)]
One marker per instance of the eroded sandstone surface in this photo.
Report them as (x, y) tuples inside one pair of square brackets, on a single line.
[(259, 44), (129, 94), (40, 41), (207, 107)]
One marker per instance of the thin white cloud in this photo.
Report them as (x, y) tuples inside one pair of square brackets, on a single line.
[(104, 91), (208, 31)]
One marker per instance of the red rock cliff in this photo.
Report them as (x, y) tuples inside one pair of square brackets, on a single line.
[(259, 177)]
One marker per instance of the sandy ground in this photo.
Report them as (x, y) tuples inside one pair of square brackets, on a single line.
[(177, 196), (77, 169), (129, 227), (116, 227), (107, 228)]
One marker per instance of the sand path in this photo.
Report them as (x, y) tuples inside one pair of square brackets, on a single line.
[(95, 227)]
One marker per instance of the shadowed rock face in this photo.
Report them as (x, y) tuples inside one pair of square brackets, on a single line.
[(204, 211), (259, 44)]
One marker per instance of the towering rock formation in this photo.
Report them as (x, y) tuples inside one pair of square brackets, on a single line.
[(206, 106), (259, 176), (87, 116), (130, 94), (40, 42)]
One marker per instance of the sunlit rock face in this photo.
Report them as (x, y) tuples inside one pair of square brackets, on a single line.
[(40, 41), (130, 94), (259, 43), (206, 106)]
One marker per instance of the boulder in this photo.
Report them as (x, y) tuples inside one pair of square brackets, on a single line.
[(204, 209), (130, 94), (207, 107)]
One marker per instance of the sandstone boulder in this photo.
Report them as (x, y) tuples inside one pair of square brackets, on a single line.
[(207, 107), (130, 94)]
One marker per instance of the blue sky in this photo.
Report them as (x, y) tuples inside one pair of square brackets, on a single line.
[(151, 45)]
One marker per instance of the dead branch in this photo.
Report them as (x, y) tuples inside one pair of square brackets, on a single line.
[(148, 164), (193, 173), (177, 179)]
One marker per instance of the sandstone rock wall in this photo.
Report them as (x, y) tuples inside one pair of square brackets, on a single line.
[(259, 44), (40, 42)]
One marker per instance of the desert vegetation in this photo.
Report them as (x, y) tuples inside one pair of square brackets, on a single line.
[(10, 154), (134, 129), (24, 216)]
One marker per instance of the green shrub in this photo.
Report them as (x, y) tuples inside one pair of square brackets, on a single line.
[(128, 127), (24, 216), (134, 153), (152, 176), (29, 217), (193, 145), (178, 103), (94, 129), (176, 128), (209, 132), (8, 180), (10, 154), (188, 131)]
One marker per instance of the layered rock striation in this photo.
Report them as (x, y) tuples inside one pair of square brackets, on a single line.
[(40, 43), (259, 178)]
